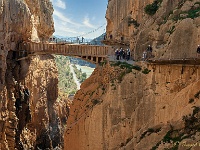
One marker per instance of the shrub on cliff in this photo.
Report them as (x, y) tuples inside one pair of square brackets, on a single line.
[(151, 9)]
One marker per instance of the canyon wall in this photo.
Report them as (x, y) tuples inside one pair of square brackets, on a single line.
[(137, 110), (35, 123), (128, 24), (151, 106)]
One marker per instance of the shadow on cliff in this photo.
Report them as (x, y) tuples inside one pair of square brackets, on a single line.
[(15, 79)]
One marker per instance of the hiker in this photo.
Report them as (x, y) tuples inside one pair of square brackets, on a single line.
[(198, 51), (149, 52), (128, 54), (144, 55), (117, 54), (123, 54), (120, 53), (149, 48)]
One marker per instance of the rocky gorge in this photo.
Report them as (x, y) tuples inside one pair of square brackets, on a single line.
[(120, 106), (149, 105)]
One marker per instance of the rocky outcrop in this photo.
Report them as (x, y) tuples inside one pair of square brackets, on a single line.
[(37, 122), (172, 20), (148, 108)]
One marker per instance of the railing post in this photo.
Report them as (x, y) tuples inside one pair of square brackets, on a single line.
[(67, 49)]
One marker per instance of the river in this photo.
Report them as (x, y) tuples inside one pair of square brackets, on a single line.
[(74, 76), (86, 69)]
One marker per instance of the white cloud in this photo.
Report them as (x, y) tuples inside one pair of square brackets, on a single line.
[(60, 4), (87, 23), (63, 18)]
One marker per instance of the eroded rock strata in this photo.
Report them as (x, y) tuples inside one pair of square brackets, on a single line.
[(155, 107)]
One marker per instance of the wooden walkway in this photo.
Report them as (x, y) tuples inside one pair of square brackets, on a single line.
[(91, 53), (188, 61)]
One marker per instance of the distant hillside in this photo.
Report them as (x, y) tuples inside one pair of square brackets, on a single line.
[(81, 62), (97, 41)]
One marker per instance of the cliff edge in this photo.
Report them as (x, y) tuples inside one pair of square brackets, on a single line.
[(170, 27)]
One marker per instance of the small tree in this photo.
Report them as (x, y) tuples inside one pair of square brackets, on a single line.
[(152, 8)]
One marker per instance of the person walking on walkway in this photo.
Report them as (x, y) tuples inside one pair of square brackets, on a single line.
[(144, 55), (120, 53), (149, 52), (128, 54)]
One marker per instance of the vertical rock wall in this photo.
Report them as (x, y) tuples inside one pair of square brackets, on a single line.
[(34, 124), (172, 20)]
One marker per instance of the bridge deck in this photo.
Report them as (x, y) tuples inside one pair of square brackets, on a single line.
[(66, 49), (93, 53)]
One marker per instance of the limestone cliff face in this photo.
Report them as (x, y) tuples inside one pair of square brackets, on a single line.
[(129, 24), (36, 123), (142, 111)]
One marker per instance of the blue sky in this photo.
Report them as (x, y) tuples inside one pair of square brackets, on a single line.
[(74, 18)]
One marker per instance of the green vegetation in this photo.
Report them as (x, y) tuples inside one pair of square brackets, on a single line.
[(151, 9), (193, 13), (171, 30), (150, 131), (103, 63), (180, 4), (81, 76), (125, 65), (197, 94), (146, 71), (95, 101), (134, 22), (127, 68), (191, 127), (66, 82)]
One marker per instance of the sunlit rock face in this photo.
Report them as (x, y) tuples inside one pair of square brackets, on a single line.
[(153, 108), (36, 124), (128, 24), (144, 110)]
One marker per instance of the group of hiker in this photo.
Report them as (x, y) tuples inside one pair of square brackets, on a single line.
[(122, 54)]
